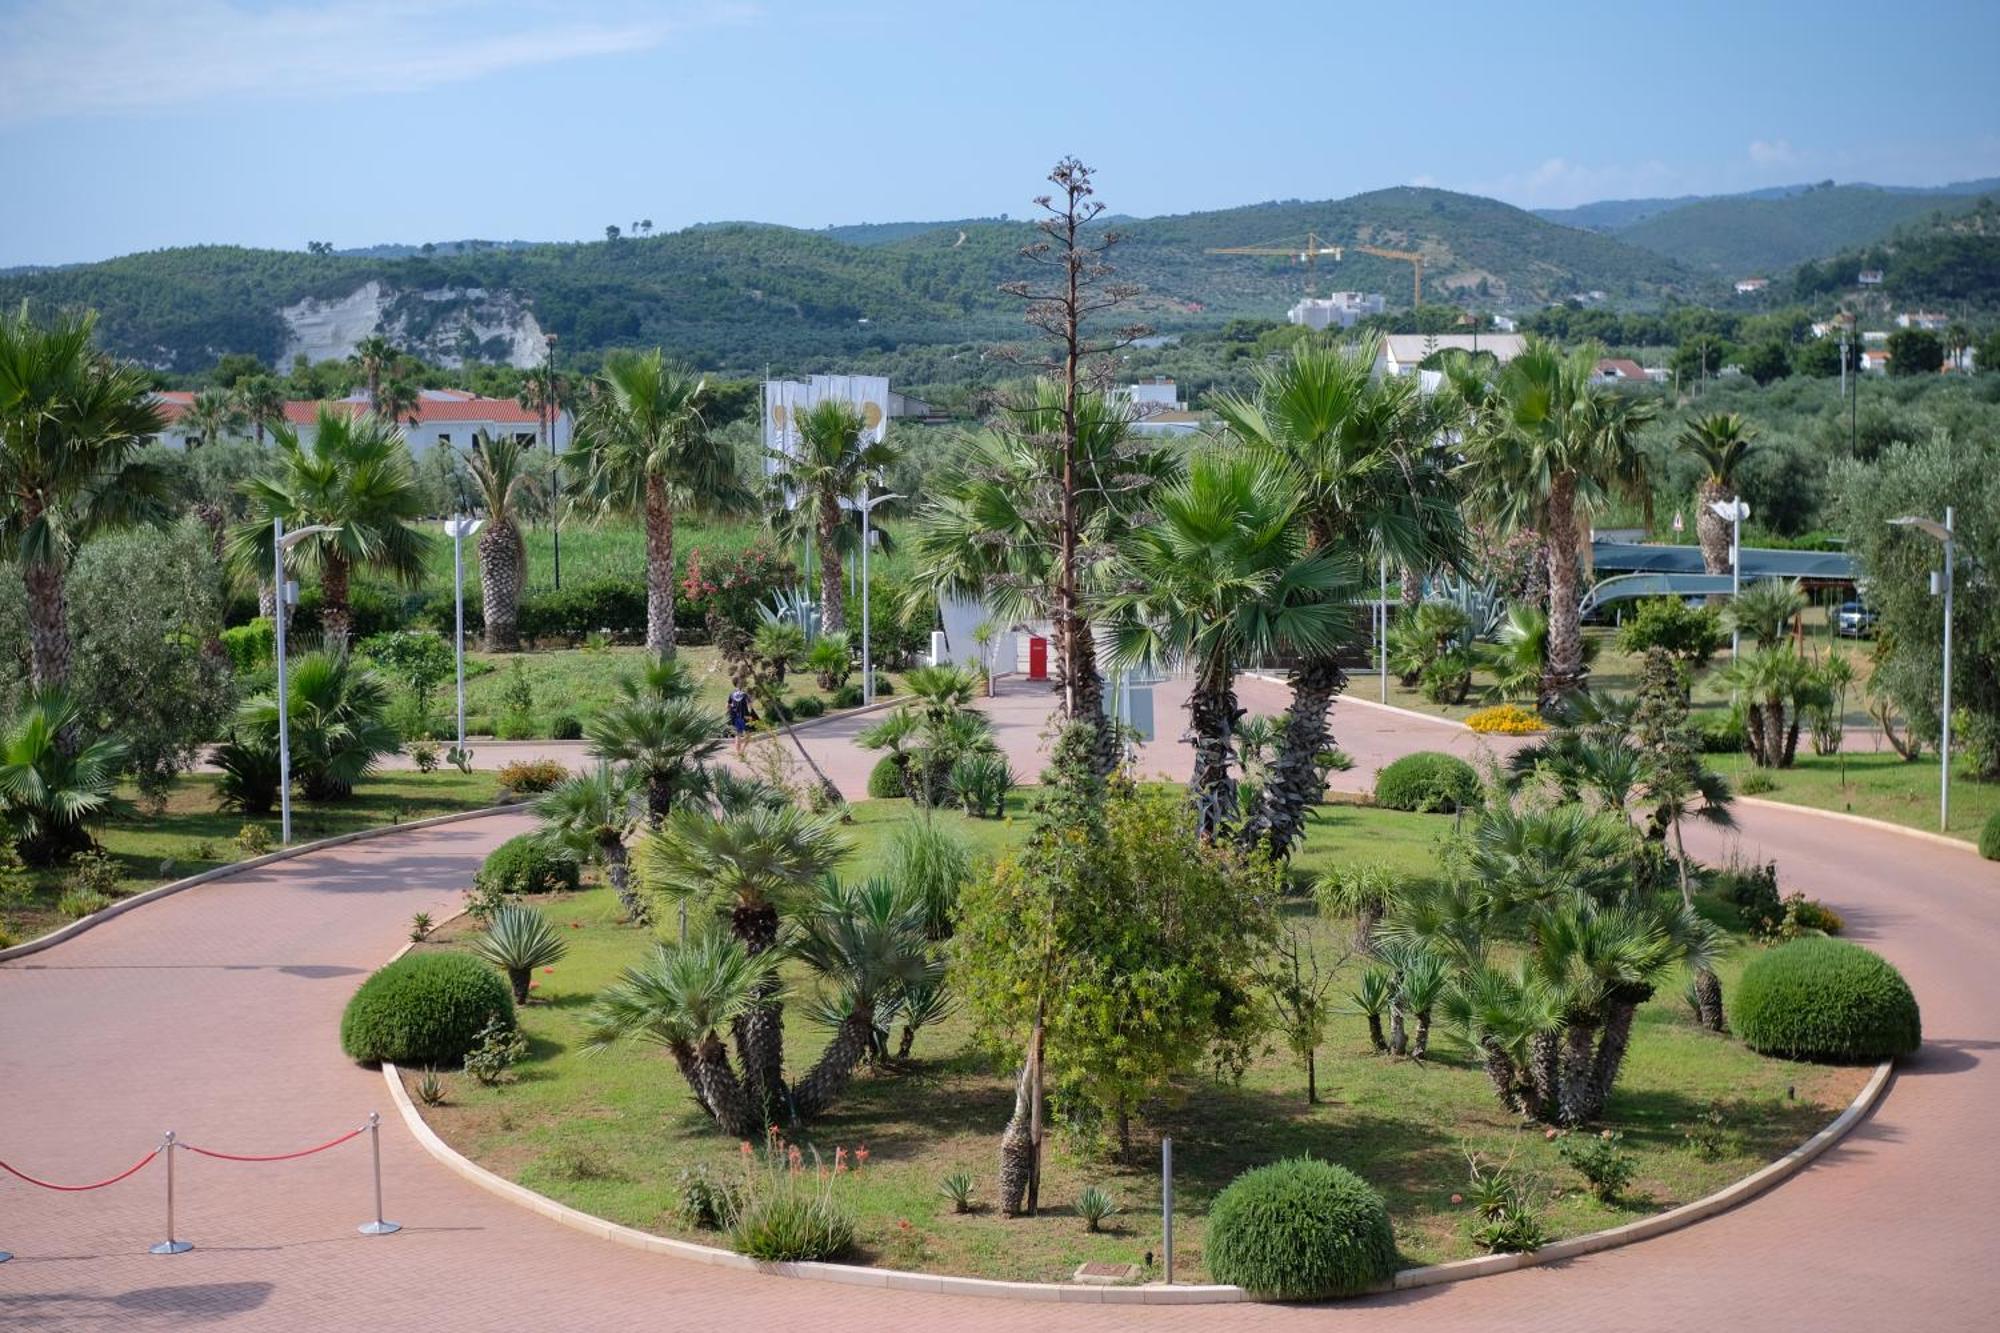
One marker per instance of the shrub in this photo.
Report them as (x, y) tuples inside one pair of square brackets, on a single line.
[(786, 1211), (526, 864), (706, 1203), (931, 865), (885, 780), (497, 1049), (253, 839), (847, 696), (529, 776), (252, 646), (1094, 1206), (425, 756), (515, 727), (249, 775), (1448, 679), (806, 705), (1689, 634), (1726, 733), (1989, 838), (1505, 720), (957, 1187), (1756, 783), (424, 1009), (565, 727), (1825, 999), (93, 875), (1300, 1229), (1427, 781), (1599, 1160), (76, 904)]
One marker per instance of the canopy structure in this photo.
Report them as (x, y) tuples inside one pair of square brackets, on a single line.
[(1638, 570)]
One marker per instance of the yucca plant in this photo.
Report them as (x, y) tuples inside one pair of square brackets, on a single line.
[(958, 1188), (981, 783), (1094, 1206), (517, 941)]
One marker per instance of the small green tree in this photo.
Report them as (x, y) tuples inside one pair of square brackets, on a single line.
[(1915, 352), (1690, 635)]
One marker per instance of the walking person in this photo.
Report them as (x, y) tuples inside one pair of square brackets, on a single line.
[(741, 715)]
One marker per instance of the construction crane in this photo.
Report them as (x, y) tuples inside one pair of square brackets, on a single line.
[(1314, 248)]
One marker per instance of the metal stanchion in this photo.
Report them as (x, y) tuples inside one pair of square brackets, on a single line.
[(1167, 1204), (170, 1245), (378, 1227)]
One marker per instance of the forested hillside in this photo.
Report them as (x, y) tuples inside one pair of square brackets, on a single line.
[(1740, 235), (1951, 260), (736, 296)]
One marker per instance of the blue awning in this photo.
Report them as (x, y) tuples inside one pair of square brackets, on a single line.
[(1609, 558)]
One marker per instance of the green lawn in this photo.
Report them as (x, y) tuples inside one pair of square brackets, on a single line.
[(190, 835), (1876, 784), (610, 1132)]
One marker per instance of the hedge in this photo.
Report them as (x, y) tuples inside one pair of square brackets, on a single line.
[(1300, 1230), (1825, 999), (1989, 838), (885, 780), (424, 1009), (526, 864), (1427, 781)]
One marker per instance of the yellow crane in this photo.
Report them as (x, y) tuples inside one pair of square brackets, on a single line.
[(1314, 248)]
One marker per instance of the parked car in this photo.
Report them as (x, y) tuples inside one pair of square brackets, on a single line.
[(1853, 619)]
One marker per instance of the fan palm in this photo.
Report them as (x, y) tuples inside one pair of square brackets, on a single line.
[(589, 814), (1218, 578), (505, 485), (757, 865), (1373, 483), (1776, 685), (397, 402), (212, 416), (684, 998), (835, 451), (643, 449), (1519, 661), (1521, 856), (71, 425), (667, 743), (335, 723), (1764, 610), (1548, 450), (49, 789), (1719, 443), (373, 355), (263, 402), (867, 941), (354, 478)]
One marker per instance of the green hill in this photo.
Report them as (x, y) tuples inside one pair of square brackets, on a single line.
[(1741, 236), (736, 296), (1950, 260)]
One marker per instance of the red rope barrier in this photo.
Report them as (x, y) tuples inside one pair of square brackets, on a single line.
[(73, 1189), (276, 1157)]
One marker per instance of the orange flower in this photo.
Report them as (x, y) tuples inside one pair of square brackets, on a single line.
[(861, 1156)]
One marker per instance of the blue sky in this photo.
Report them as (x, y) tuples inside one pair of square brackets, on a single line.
[(133, 124)]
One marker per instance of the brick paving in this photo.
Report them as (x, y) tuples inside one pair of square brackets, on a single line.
[(214, 1012)]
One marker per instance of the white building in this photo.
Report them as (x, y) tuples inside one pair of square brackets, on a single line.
[(1928, 320), (1341, 310), (448, 418), (1505, 324), (1171, 423), (1151, 397), (1751, 286), (1402, 353)]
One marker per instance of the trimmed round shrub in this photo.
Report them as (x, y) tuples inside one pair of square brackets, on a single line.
[(885, 780), (526, 864), (1427, 782), (804, 706), (1300, 1230), (847, 696), (565, 727), (1825, 999), (424, 1009), (1989, 838)]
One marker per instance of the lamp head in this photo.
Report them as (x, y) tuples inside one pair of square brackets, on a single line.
[(463, 527), (1929, 526), (297, 535)]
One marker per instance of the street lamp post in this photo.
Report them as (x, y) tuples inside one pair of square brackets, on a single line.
[(1735, 510), (867, 507), (281, 542), (555, 481), (459, 528), (1942, 533)]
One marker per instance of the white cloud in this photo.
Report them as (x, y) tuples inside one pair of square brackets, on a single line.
[(1772, 152), (59, 59)]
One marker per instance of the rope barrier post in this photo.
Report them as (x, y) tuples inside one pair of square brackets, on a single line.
[(378, 1227), (170, 1245)]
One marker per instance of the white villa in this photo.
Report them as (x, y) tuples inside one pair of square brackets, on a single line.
[(1402, 353), (447, 418)]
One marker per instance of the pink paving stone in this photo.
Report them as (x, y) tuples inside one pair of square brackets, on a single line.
[(214, 1013)]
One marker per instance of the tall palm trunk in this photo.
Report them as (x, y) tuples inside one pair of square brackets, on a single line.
[(659, 569), (336, 617), (502, 555), (832, 600), (1564, 673), (1086, 689), (1017, 1147), (48, 624), (723, 1093), (830, 1074), (611, 847), (760, 1032), (1212, 716), (1712, 529), (1294, 782)]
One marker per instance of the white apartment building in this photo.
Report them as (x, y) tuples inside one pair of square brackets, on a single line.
[(1339, 310)]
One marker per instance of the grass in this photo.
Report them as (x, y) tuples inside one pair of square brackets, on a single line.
[(152, 847), (609, 1132), (1877, 784)]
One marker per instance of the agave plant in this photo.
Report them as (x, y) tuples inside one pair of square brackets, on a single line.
[(517, 941), (48, 789), (1094, 1206)]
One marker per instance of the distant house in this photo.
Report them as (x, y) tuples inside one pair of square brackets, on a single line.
[(1505, 324), (902, 406), (1927, 320), (1751, 286), (1875, 360), (1174, 422), (1870, 277), (1149, 398), (1659, 374), (1618, 370), (1874, 337), (1402, 353), (446, 418), (1339, 310)]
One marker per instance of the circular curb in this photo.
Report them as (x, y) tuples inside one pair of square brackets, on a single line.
[(124, 905), (889, 1279)]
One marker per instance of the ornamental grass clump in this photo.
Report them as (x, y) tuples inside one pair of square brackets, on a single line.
[(1825, 999), (1300, 1230), (786, 1210)]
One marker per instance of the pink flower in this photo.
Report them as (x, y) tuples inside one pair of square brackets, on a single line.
[(746, 1148), (534, 985), (1458, 1198), (1548, 1134), (861, 1157), (547, 970)]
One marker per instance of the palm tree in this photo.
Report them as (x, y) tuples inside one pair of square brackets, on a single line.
[(1766, 609), (1719, 443), (868, 940), (994, 531), (1219, 577), (1373, 484), (588, 814), (336, 721), (757, 865), (213, 416), (642, 448), (833, 455), (398, 403), (263, 403), (667, 744), (373, 355), (1547, 451), (48, 789), (71, 425), (505, 486), (354, 477)]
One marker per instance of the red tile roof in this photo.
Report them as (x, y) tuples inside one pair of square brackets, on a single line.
[(1630, 370), (433, 405)]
